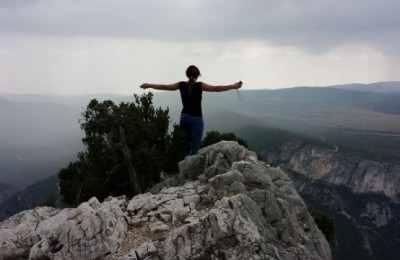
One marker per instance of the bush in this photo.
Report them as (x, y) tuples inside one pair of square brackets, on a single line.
[(325, 224), (215, 137)]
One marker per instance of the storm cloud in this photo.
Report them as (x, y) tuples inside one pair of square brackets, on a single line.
[(311, 24), (86, 46)]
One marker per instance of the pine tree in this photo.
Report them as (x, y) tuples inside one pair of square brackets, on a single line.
[(126, 147)]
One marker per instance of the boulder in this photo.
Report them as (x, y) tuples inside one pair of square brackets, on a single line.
[(89, 231)]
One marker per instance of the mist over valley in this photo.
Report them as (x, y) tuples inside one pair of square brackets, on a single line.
[(304, 130), (39, 133)]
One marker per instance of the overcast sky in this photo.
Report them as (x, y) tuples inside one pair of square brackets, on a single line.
[(112, 46)]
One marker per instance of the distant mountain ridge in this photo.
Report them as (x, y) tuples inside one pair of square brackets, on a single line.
[(383, 87), (33, 196), (52, 121), (6, 191), (35, 139), (377, 101)]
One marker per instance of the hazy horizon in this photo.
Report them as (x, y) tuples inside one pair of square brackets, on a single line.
[(139, 91), (42, 129)]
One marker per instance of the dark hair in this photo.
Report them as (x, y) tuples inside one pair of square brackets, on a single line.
[(192, 72)]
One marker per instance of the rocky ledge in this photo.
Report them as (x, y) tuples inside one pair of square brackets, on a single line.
[(223, 204)]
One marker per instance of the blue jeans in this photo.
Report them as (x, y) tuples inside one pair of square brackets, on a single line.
[(193, 128)]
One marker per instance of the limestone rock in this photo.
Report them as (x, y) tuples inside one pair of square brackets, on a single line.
[(360, 175), (379, 215), (17, 234), (225, 204), (91, 230), (243, 209)]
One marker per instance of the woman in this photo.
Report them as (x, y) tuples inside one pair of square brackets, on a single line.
[(191, 121)]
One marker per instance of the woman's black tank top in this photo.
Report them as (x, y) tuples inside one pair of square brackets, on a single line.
[(191, 101)]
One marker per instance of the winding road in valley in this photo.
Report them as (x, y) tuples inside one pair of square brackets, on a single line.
[(336, 148)]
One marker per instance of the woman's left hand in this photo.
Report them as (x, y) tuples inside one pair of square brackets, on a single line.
[(238, 85)]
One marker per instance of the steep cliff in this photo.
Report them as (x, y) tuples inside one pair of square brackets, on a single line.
[(360, 175), (361, 196), (224, 204)]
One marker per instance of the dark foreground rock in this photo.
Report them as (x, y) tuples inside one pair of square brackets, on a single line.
[(224, 204)]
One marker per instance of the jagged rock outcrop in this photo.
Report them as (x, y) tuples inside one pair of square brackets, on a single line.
[(86, 232), (379, 215), (224, 204), (360, 175)]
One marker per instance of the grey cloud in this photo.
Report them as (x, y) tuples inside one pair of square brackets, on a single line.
[(311, 24), (11, 4)]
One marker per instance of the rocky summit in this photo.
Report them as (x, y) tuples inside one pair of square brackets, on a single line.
[(223, 204)]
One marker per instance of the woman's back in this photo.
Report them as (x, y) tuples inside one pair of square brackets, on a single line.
[(191, 98)]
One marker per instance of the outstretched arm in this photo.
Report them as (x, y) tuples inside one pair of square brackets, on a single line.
[(174, 86), (212, 88)]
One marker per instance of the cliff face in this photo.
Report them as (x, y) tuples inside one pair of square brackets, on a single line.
[(361, 196), (224, 204), (360, 175), (367, 225)]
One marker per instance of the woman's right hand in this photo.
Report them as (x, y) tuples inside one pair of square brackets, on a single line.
[(144, 86)]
